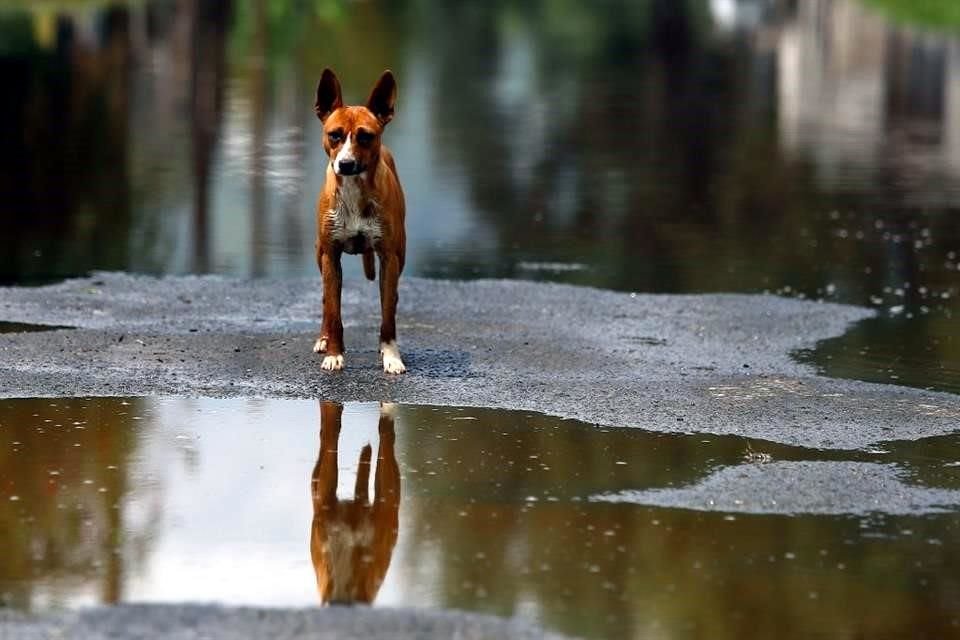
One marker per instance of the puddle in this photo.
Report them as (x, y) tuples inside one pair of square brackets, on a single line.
[(21, 327), (239, 502), (918, 352)]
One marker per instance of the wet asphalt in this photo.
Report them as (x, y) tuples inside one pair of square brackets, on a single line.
[(190, 622), (667, 363), (802, 487), (715, 364)]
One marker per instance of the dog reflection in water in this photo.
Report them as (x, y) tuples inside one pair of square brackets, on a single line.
[(351, 541)]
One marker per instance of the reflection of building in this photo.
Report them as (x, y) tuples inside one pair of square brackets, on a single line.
[(861, 97), (739, 14), (951, 110), (830, 73)]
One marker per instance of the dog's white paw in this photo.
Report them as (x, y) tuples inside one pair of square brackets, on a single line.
[(394, 365), (332, 363), (391, 358), (320, 345)]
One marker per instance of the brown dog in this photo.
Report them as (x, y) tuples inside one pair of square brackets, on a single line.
[(351, 541), (360, 211)]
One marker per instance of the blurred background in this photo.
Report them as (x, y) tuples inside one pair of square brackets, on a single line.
[(797, 147)]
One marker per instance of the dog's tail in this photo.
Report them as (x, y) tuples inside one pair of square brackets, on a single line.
[(369, 269)]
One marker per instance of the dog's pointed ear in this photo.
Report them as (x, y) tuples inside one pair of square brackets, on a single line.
[(383, 97), (329, 98)]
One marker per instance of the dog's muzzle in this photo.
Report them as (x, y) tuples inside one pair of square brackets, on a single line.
[(349, 168)]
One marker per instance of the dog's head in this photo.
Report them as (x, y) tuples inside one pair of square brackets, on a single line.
[(351, 135)]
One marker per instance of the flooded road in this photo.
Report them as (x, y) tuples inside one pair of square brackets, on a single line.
[(806, 148), (258, 502)]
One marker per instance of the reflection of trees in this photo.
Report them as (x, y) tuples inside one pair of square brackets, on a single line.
[(487, 469), (64, 156), (588, 132), (594, 133), (74, 147), (872, 109), (66, 530), (637, 134), (209, 22), (669, 159), (660, 154), (606, 570)]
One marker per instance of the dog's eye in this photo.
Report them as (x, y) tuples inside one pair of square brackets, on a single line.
[(364, 137), (335, 136)]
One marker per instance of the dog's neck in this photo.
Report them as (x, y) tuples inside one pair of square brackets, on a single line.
[(354, 209), (352, 198)]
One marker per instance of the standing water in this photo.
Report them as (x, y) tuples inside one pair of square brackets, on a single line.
[(295, 502)]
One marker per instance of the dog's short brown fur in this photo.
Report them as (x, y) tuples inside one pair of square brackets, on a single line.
[(360, 211)]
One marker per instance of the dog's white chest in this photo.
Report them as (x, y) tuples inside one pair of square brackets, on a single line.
[(347, 215)]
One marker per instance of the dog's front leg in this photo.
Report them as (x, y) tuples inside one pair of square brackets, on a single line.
[(389, 279), (386, 498), (386, 482), (331, 330), (324, 478)]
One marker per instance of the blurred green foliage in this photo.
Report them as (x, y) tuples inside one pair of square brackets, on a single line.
[(941, 14), (284, 24), (17, 30), (63, 6)]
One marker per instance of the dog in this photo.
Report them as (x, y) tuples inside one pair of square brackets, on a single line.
[(352, 541), (360, 211)]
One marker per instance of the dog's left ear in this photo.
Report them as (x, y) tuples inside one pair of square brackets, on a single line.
[(383, 97), (329, 98)]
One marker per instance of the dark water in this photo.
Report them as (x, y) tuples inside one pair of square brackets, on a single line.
[(801, 147), (20, 327), (235, 501)]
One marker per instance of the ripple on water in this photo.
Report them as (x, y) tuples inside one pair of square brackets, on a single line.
[(295, 503)]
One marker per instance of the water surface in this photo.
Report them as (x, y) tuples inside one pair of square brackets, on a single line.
[(106, 500), (22, 327)]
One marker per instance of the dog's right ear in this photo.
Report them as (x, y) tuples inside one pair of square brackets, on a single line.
[(329, 98)]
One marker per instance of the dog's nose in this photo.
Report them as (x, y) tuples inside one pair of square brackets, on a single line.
[(347, 167)]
